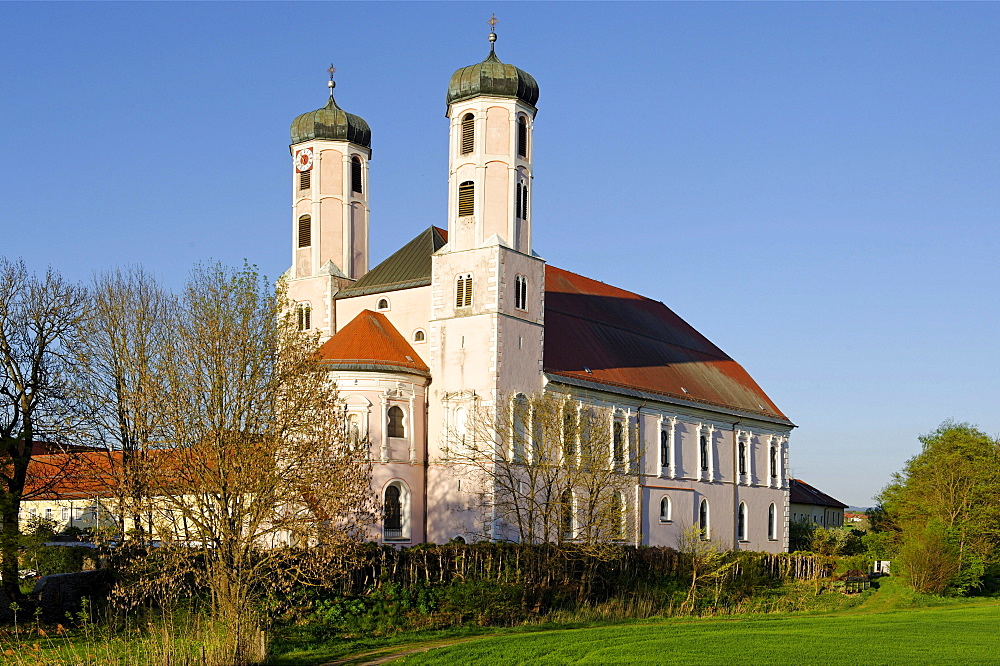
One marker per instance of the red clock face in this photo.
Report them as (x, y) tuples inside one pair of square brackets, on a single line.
[(304, 160)]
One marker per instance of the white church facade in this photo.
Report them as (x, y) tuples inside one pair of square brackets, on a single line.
[(460, 318)]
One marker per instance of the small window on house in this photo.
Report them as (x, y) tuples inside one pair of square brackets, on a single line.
[(383, 304), (521, 292), (618, 442), (463, 290), (665, 448), (395, 416), (64, 514), (742, 459), (392, 514), (665, 510), (468, 133), (522, 137), (305, 180), (356, 180), (48, 514), (704, 524), (466, 199), (419, 335), (703, 449), (305, 231), (566, 518), (303, 316), (617, 516), (741, 522)]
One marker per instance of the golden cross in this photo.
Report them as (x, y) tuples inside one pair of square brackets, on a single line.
[(332, 70), (493, 21)]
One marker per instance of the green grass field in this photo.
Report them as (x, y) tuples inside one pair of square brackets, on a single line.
[(958, 634)]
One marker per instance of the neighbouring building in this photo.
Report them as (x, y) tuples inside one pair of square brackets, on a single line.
[(811, 505), (463, 317)]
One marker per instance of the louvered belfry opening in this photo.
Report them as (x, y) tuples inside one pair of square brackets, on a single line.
[(468, 133), (356, 184), (463, 291), (524, 201), (303, 316), (305, 231), (522, 137), (466, 198), (517, 202), (305, 180)]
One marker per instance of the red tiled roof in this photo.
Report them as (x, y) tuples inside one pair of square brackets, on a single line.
[(371, 340), (598, 333), (800, 492)]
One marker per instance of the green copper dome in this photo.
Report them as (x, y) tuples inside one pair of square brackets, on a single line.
[(492, 77), (331, 122)]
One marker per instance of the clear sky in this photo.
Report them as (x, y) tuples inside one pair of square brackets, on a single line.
[(815, 187)]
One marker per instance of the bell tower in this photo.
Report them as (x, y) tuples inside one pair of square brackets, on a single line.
[(330, 151)]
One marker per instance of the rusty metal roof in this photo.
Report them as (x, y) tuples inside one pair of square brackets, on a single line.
[(602, 334), (800, 492), (492, 77), (408, 267), (371, 342)]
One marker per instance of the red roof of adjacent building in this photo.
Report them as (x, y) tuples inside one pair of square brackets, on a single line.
[(598, 333), (800, 492), (371, 342)]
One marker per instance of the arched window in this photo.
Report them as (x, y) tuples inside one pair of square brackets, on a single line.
[(463, 290), (665, 448), (569, 432), (305, 231), (742, 459), (468, 134), (772, 523), (395, 415), (392, 513), (617, 516), (665, 510), (703, 449), (466, 199), (419, 335), (303, 316), (383, 304), (522, 137), (521, 416), (521, 292), (567, 523), (741, 522), (517, 200), (524, 201), (618, 442), (356, 184), (704, 525)]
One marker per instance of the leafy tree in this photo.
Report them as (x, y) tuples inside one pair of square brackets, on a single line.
[(944, 507)]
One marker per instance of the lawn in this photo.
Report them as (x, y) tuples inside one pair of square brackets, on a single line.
[(958, 634)]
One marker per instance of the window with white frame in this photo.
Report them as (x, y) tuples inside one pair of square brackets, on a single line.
[(666, 510), (419, 335), (741, 458), (396, 512), (395, 426), (703, 451), (741, 522), (521, 292), (774, 463), (704, 521), (383, 304), (468, 142), (618, 442), (64, 514), (664, 448)]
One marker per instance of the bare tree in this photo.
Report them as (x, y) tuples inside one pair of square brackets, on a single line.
[(256, 453), (120, 382), (39, 324), (551, 470)]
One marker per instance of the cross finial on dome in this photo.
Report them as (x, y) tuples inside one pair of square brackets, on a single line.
[(493, 24), (331, 84)]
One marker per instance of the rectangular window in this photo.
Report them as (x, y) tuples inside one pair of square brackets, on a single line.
[(463, 291), (305, 231), (64, 514), (356, 184), (305, 180)]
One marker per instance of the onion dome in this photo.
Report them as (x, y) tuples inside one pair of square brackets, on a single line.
[(492, 77), (331, 122)]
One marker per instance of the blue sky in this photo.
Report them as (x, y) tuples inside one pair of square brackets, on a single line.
[(815, 187)]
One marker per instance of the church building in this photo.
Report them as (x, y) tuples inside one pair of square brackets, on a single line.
[(462, 317)]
